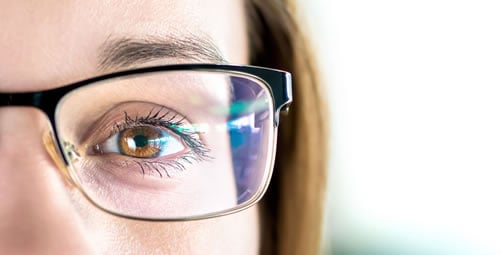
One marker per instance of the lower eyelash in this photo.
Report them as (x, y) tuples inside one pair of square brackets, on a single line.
[(162, 168)]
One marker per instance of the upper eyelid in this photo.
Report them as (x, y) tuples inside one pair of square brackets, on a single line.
[(152, 119), (196, 143), (142, 122)]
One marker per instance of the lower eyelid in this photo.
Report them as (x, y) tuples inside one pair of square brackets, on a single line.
[(127, 173), (156, 168)]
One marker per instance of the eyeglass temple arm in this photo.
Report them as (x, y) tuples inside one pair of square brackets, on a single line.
[(283, 96), (280, 84)]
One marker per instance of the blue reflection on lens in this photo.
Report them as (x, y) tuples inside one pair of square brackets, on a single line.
[(245, 130)]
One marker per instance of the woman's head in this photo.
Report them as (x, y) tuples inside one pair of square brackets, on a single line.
[(46, 45)]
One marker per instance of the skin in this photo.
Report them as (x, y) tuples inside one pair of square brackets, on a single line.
[(46, 44)]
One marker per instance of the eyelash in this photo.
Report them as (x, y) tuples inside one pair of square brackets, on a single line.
[(198, 150)]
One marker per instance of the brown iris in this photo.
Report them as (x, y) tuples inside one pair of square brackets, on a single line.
[(141, 142)]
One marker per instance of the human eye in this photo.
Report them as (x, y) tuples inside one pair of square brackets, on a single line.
[(142, 142), (158, 142)]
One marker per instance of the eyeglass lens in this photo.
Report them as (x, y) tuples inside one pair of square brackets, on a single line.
[(170, 144)]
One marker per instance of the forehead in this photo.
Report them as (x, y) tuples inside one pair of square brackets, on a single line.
[(52, 42)]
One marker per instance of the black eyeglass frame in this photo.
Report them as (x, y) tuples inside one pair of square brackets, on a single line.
[(278, 82)]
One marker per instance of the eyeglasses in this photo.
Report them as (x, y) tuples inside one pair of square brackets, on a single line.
[(176, 142)]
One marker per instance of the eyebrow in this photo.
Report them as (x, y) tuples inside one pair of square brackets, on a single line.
[(126, 51)]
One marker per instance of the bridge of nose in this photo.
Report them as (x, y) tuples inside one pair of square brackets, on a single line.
[(34, 207)]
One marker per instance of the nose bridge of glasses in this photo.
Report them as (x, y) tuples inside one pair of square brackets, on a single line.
[(56, 156)]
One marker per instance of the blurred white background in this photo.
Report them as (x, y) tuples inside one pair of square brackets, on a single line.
[(415, 92)]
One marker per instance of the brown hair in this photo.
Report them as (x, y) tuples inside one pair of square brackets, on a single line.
[(293, 206)]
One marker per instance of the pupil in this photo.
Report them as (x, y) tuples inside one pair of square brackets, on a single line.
[(140, 140)]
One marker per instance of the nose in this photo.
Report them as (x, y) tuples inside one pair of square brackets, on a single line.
[(36, 214)]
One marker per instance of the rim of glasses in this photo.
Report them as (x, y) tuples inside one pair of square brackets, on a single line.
[(276, 82)]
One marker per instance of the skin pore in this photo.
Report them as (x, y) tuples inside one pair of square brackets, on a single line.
[(46, 44)]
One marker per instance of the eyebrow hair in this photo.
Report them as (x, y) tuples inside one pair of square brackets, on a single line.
[(126, 51)]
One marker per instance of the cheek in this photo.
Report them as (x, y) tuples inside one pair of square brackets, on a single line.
[(233, 234)]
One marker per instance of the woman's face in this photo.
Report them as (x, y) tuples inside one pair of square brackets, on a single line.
[(45, 44)]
